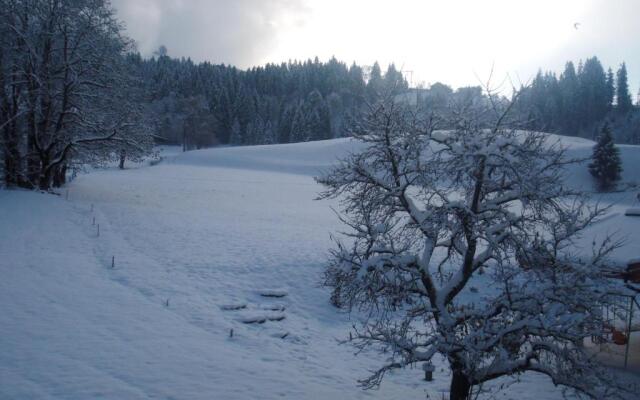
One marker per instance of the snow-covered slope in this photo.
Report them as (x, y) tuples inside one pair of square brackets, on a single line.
[(197, 242), (295, 158)]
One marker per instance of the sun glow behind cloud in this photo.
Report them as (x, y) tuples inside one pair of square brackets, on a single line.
[(454, 41)]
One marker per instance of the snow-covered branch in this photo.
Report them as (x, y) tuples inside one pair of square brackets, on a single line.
[(462, 245)]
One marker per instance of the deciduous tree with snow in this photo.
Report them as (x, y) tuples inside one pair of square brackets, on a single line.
[(65, 89), (459, 245)]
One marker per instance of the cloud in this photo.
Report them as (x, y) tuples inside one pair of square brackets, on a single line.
[(238, 32), (454, 41)]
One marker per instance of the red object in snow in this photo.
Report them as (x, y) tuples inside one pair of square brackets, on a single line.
[(633, 271), (618, 337), (631, 274)]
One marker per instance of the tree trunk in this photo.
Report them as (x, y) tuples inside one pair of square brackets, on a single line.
[(123, 157), (60, 176), (460, 386), (184, 139), (44, 182), (11, 163), (45, 173), (33, 163)]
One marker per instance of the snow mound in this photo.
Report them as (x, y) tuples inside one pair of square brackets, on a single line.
[(233, 306), (256, 317), (308, 158), (273, 292), (313, 158), (273, 307), (280, 334)]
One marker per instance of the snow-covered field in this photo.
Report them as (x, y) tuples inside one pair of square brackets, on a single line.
[(201, 244)]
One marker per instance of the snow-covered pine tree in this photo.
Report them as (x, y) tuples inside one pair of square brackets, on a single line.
[(611, 87), (300, 129), (623, 97), (316, 113), (459, 248), (568, 86), (336, 110), (235, 138), (269, 134), (375, 83), (251, 133), (394, 80), (606, 166)]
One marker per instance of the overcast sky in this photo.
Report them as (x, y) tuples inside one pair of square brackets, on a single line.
[(455, 42)]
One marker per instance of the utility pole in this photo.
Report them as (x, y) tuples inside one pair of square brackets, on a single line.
[(410, 73)]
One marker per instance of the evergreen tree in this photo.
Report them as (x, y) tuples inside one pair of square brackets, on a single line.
[(593, 90), (335, 108), (394, 81), (623, 98), (317, 116), (356, 84), (606, 165), (569, 93), (375, 83), (299, 128), (236, 133), (611, 90), (269, 134), (286, 124)]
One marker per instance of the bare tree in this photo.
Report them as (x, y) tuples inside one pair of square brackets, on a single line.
[(12, 54), (460, 244), (63, 78)]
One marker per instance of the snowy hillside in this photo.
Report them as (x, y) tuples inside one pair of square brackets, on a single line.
[(202, 244)]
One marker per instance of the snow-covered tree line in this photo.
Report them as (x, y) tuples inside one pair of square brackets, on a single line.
[(311, 100), (74, 91), (68, 94), (276, 103), (460, 246), (581, 100)]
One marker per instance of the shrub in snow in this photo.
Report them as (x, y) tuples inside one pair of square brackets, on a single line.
[(426, 213), (606, 166)]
